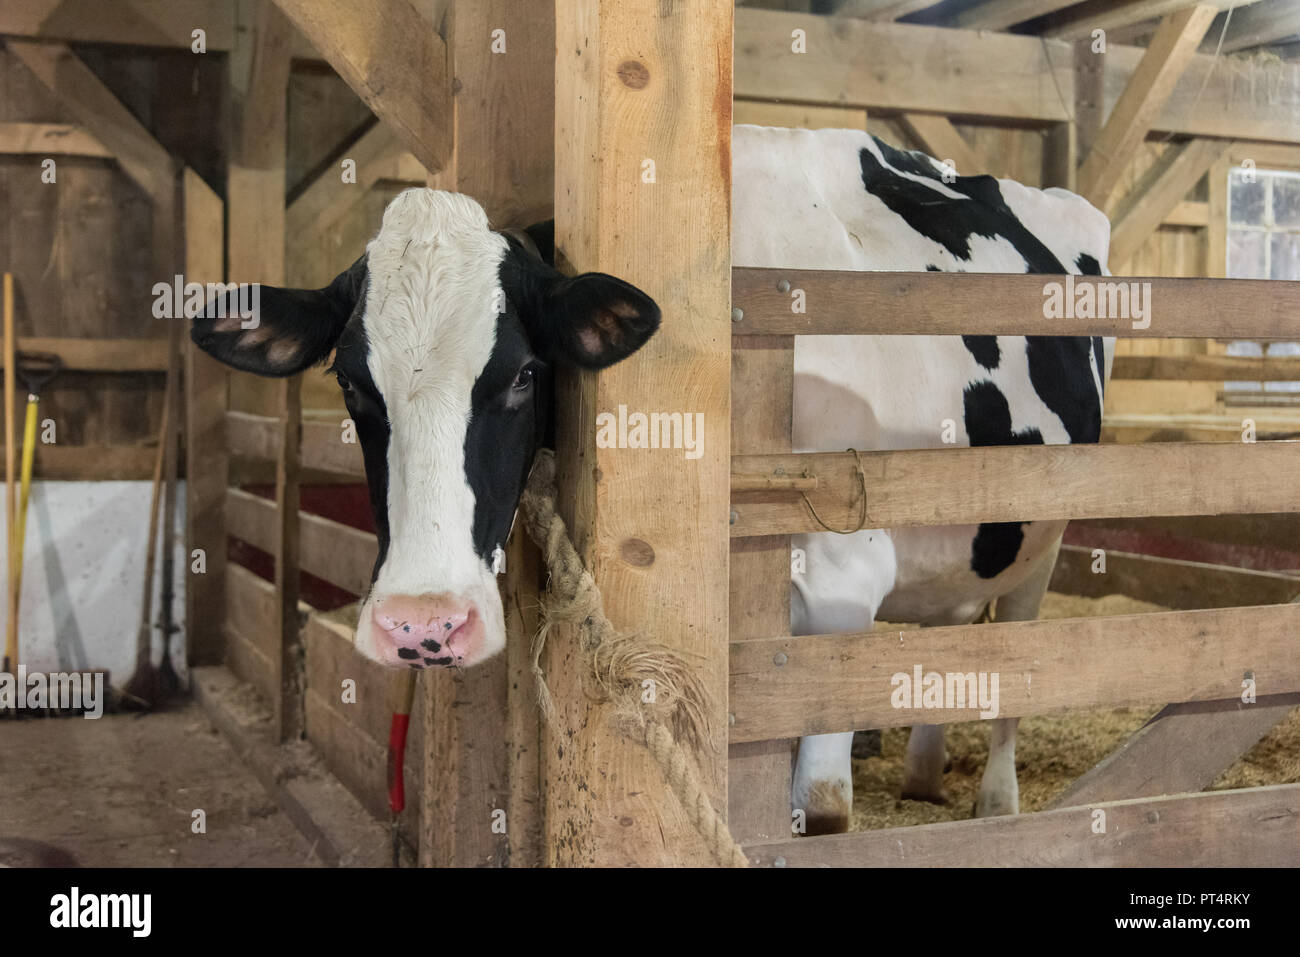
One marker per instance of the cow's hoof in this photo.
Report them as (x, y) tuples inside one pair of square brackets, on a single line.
[(830, 804)]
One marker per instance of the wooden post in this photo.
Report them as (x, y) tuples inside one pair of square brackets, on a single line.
[(206, 459), (255, 197), (643, 180), (481, 745)]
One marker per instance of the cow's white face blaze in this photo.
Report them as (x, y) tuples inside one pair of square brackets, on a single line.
[(443, 336)]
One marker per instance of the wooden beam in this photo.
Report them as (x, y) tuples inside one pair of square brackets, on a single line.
[(1188, 212), (940, 139), (323, 203), (1000, 14), (1158, 192), (1235, 99), (878, 303), (1136, 427), (1020, 483), (1255, 827), (101, 355), (393, 59), (1208, 368), (786, 687), (762, 400), (1151, 84), (206, 459), (162, 23), (1182, 749), (882, 11), (1257, 25), (1080, 20), (619, 63), (50, 139), (263, 109), (856, 63), (93, 106), (1169, 582)]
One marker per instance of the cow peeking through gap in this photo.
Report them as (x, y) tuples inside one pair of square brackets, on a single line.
[(444, 336)]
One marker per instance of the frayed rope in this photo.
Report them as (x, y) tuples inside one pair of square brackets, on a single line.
[(621, 668)]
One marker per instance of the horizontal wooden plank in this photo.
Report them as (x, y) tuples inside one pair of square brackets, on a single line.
[(339, 554), (848, 62), (324, 448), (98, 463), (786, 687), (251, 436), (1254, 827), (1135, 427), (1208, 368), (1279, 530), (50, 139), (960, 486), (839, 302), (1169, 581), (101, 355), (164, 23)]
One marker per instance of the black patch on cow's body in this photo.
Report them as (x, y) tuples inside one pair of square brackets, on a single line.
[(1099, 354), (1087, 265), (947, 221), (984, 349), (988, 422), (1060, 369)]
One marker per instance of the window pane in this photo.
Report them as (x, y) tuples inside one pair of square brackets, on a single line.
[(1246, 255), (1246, 200), (1286, 201), (1284, 257)]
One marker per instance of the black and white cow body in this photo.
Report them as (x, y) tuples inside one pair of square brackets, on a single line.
[(444, 334), (841, 199)]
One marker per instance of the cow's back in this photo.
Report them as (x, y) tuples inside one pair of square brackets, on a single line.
[(840, 199)]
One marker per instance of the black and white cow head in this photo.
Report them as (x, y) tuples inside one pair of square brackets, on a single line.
[(444, 335)]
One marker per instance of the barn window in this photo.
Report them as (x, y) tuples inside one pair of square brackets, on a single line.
[(1263, 243)]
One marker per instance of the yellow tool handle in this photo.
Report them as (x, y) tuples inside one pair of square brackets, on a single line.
[(19, 536)]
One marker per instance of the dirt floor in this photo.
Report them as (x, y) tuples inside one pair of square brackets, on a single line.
[(1051, 752), (120, 792)]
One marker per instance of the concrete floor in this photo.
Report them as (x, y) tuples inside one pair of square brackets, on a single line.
[(120, 792)]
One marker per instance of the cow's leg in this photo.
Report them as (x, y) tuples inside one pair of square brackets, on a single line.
[(923, 765), (823, 782), (999, 789)]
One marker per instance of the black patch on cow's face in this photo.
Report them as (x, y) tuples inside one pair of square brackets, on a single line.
[(510, 408), (946, 221), (984, 349)]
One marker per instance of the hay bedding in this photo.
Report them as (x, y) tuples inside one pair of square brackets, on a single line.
[(1051, 751)]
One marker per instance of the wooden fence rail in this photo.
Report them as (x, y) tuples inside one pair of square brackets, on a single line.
[(785, 687), (893, 303), (958, 486)]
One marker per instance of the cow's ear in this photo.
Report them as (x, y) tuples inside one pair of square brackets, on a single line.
[(594, 320), (271, 331)]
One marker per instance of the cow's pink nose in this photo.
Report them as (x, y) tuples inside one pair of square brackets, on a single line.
[(425, 630)]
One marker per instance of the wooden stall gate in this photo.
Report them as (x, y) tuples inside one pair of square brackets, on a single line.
[(783, 687)]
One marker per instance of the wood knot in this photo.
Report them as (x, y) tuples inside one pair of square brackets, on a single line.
[(637, 552), (634, 74)]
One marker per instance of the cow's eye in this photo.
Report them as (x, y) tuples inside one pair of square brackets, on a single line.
[(344, 384), (524, 379)]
